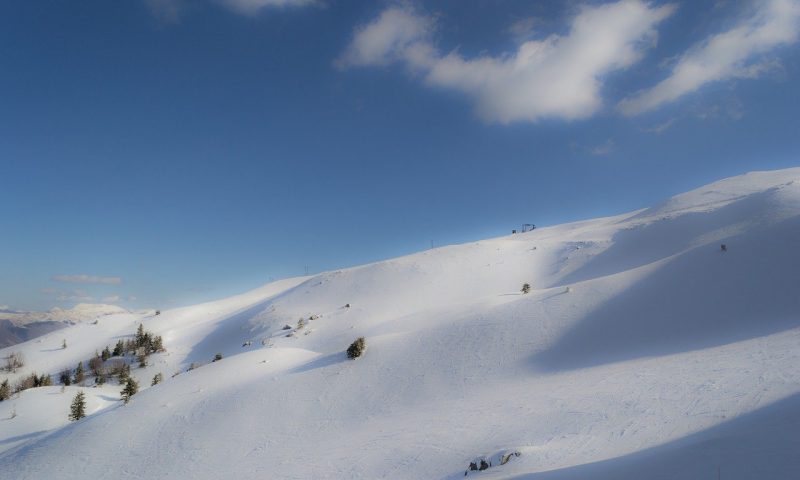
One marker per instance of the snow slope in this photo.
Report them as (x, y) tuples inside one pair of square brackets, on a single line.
[(642, 351)]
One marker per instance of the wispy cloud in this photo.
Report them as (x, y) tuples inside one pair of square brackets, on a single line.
[(557, 77), (736, 53), (171, 10), (167, 11), (111, 299), (603, 149), (88, 279), (660, 127), (74, 296), (251, 7)]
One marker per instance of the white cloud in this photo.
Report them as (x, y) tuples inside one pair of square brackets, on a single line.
[(660, 128), (603, 149), (111, 299), (170, 10), (523, 28), (387, 39), (250, 7), (167, 11), (731, 54), (559, 76), (88, 279), (75, 296)]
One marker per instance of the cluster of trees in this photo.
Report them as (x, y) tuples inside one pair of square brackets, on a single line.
[(31, 381)]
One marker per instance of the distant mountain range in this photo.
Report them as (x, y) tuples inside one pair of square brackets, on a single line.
[(21, 326)]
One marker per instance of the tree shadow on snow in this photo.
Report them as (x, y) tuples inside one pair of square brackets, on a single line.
[(19, 438), (699, 299), (321, 362)]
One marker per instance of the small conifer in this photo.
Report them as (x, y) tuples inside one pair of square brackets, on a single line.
[(130, 389), (78, 408), (78, 373)]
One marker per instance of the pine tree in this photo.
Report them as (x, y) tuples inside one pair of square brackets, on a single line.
[(140, 336), (526, 287), (131, 387), (124, 373), (119, 349), (65, 377), (78, 408), (5, 390), (44, 381), (106, 354), (158, 344), (157, 378), (142, 357), (64, 343), (78, 373)]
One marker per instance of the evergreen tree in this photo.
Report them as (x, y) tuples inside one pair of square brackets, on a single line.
[(526, 288), (356, 349), (157, 378), (131, 387), (65, 377), (64, 343), (158, 344), (140, 336), (124, 373), (5, 390), (119, 349), (44, 381), (78, 373), (106, 354), (78, 408)]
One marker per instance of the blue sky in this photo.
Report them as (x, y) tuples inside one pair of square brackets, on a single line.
[(163, 152)]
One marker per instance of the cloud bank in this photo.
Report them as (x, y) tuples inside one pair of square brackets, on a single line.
[(735, 53), (557, 77)]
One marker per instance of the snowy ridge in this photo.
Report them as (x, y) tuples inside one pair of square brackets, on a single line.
[(642, 349)]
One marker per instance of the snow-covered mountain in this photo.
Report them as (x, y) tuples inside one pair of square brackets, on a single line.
[(643, 350), (17, 326)]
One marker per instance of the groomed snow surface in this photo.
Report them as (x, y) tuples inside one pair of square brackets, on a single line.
[(642, 351)]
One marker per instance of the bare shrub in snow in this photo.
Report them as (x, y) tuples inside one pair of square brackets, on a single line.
[(356, 349), (14, 361)]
